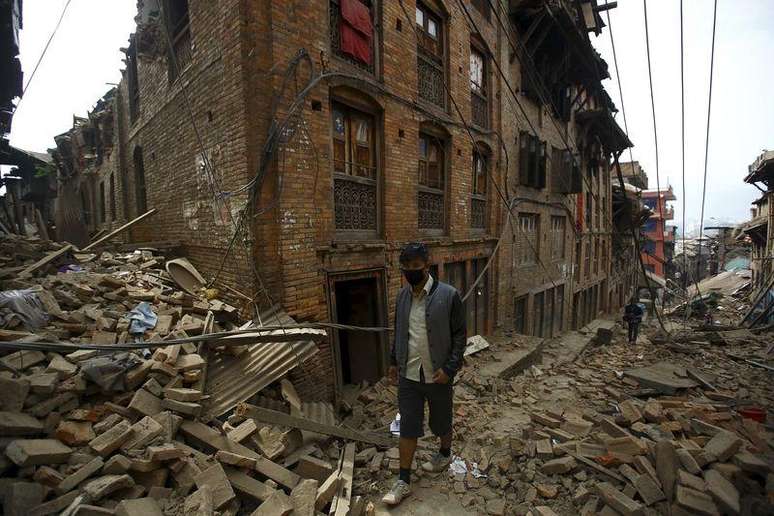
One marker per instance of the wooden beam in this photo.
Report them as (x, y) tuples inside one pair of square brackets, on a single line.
[(50, 257), (278, 418), (343, 498), (120, 230)]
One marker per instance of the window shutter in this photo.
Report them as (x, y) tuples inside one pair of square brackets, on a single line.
[(576, 181), (532, 173), (524, 138), (541, 176)]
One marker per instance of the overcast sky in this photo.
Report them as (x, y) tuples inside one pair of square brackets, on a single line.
[(85, 56), (742, 122)]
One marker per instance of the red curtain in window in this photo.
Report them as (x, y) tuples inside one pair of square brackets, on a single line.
[(356, 30)]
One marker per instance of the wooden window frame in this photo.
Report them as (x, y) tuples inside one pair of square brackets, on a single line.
[(479, 93), (478, 198), (558, 237), (179, 31), (424, 189), (351, 114), (434, 58), (530, 254), (334, 15), (532, 161)]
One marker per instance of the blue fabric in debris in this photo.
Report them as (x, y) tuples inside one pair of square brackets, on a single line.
[(142, 318)]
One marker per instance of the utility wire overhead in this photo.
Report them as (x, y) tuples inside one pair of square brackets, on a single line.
[(43, 54)]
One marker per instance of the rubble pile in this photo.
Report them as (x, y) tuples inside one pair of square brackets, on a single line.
[(87, 431)]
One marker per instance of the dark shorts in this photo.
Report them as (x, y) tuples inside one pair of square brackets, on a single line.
[(411, 405)]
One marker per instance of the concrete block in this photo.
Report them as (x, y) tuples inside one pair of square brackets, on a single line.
[(182, 394), (182, 407), (72, 481), (144, 432), (667, 464), (313, 468), (36, 452), (112, 439), (751, 463), (215, 478), (303, 497), (54, 506), (199, 503), (21, 497), (278, 504), (723, 492), (686, 479), (116, 465), (139, 507), (102, 486), (234, 459), (145, 403), (243, 431), (170, 422), (164, 452), (648, 490), (558, 466), (619, 501), (44, 383), (13, 424), (723, 445), (688, 462)]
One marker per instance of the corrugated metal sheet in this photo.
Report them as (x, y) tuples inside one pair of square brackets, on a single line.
[(232, 380)]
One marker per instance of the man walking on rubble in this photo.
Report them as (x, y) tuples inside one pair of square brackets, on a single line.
[(633, 313), (427, 350)]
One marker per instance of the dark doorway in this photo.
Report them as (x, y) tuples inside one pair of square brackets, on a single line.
[(358, 302)]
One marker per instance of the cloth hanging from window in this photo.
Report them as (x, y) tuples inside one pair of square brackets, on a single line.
[(356, 30)]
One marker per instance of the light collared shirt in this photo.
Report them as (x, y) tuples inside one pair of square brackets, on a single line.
[(418, 347)]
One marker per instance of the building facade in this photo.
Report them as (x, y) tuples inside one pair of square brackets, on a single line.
[(292, 148), (760, 229), (658, 237)]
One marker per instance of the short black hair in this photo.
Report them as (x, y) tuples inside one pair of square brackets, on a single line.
[(414, 250)]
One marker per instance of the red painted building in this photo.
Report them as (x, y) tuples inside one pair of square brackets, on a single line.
[(657, 244)]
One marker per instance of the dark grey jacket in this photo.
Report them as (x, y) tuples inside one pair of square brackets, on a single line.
[(446, 328)]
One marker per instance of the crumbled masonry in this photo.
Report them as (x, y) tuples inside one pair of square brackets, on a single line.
[(581, 424)]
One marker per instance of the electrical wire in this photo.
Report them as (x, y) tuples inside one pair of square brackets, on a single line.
[(709, 111), (42, 54)]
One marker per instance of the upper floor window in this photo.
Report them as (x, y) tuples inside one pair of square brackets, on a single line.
[(430, 56), (352, 31), (558, 228), (478, 199), (432, 183), (529, 229), (355, 170), (179, 30), (479, 97), (532, 161)]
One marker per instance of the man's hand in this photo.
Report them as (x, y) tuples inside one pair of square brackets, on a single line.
[(440, 376), (392, 375)]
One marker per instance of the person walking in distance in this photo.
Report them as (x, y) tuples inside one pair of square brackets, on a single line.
[(633, 313), (429, 342)]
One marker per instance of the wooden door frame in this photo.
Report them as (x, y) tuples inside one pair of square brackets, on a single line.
[(334, 277)]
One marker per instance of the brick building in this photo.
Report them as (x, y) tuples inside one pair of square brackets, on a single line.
[(760, 228), (292, 148)]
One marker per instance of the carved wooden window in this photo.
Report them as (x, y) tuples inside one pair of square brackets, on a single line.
[(360, 48), (179, 31), (354, 170), (558, 229), (532, 161), (430, 56), (432, 183), (529, 229), (479, 98), (478, 199)]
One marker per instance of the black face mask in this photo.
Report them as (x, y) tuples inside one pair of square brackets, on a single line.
[(414, 276)]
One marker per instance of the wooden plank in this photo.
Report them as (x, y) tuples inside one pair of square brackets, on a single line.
[(50, 257), (278, 418), (120, 230), (344, 494), (208, 437)]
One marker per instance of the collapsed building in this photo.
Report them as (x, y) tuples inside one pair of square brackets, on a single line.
[(290, 153)]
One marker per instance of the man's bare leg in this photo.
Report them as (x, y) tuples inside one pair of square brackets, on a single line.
[(407, 447)]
